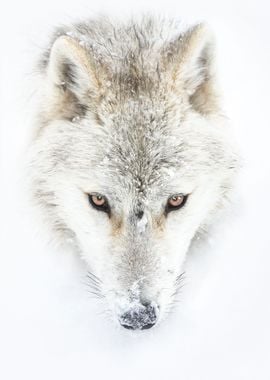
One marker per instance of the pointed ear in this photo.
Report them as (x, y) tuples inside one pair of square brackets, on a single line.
[(71, 76), (194, 69)]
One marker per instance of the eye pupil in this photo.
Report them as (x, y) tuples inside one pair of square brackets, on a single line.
[(176, 199), (98, 200)]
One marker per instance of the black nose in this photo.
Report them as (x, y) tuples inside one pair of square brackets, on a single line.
[(139, 317)]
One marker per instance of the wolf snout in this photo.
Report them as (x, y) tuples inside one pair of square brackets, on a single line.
[(140, 317)]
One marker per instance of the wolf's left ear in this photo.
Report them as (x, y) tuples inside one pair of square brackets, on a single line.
[(194, 69)]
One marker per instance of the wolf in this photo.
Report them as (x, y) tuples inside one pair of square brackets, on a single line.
[(132, 156)]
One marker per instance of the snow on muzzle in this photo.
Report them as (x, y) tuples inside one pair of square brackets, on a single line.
[(140, 316)]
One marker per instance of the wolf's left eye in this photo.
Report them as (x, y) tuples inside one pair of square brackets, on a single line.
[(175, 202), (99, 202)]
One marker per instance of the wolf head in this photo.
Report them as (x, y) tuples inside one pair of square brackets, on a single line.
[(131, 157)]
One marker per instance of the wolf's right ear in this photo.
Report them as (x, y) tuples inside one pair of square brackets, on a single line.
[(71, 74)]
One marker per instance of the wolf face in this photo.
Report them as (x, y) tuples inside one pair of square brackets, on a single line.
[(132, 157)]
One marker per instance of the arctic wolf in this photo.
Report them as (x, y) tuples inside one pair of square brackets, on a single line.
[(132, 156)]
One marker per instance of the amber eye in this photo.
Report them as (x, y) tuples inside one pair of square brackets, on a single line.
[(175, 202), (99, 202)]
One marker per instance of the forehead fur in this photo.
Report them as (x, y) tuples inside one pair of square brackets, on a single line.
[(128, 51)]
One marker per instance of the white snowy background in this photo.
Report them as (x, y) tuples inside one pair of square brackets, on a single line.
[(50, 327)]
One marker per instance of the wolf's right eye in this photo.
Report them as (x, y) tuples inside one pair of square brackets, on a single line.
[(99, 202)]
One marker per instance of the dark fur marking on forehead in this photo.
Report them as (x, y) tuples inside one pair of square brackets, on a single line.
[(139, 208), (139, 214)]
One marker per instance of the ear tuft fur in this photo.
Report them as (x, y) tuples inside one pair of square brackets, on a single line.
[(71, 77), (194, 68)]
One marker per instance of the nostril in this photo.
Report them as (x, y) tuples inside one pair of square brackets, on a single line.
[(136, 325), (128, 327), (148, 326), (143, 327)]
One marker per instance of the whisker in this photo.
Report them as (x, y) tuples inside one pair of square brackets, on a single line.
[(93, 282), (98, 295), (175, 300), (180, 278), (94, 285), (93, 277)]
